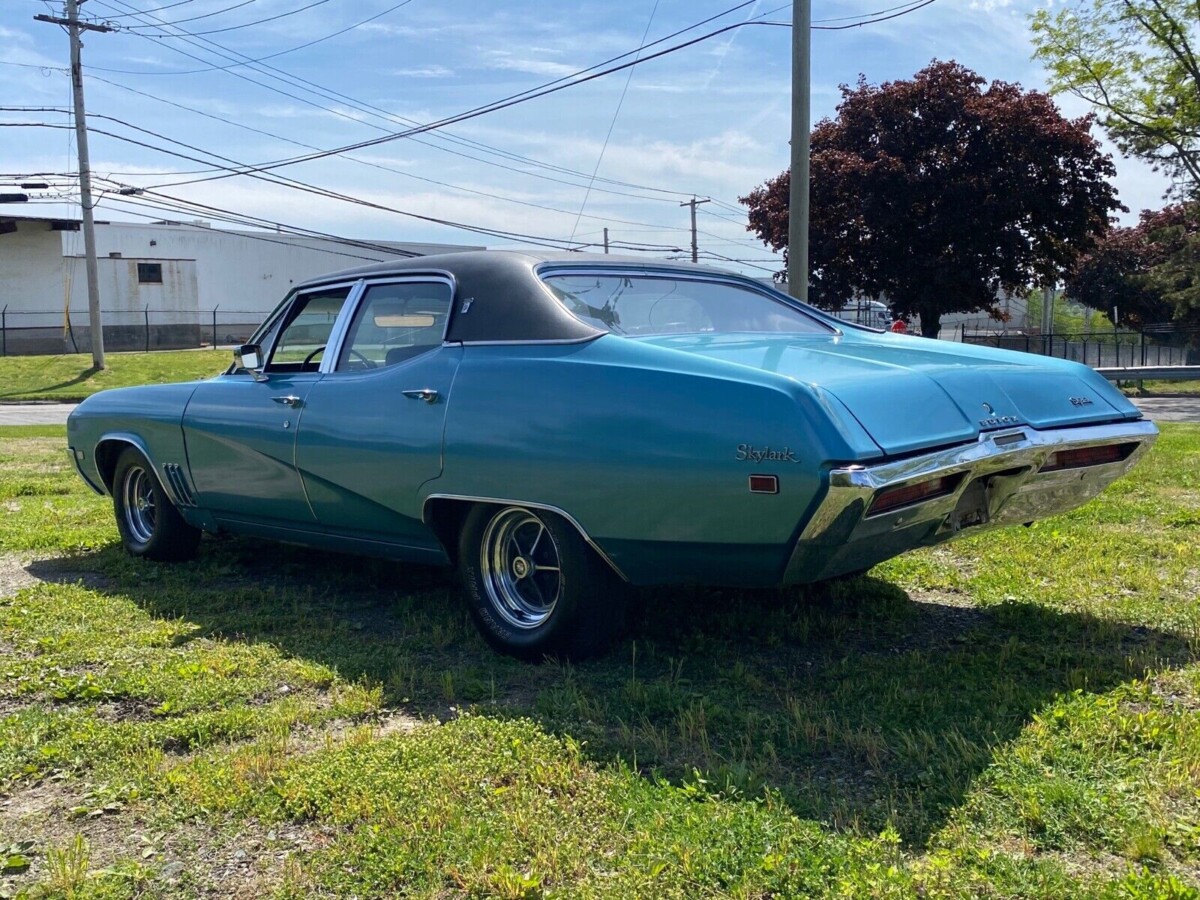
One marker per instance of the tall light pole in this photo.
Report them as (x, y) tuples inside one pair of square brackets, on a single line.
[(797, 268), (74, 26)]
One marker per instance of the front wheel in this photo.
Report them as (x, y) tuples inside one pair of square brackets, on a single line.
[(534, 586), (148, 522)]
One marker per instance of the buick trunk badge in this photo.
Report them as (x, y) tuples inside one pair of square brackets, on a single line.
[(995, 421)]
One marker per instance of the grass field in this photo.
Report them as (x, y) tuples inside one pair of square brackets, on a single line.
[(71, 377), (1013, 715)]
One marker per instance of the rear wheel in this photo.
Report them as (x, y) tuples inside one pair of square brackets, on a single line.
[(534, 586), (149, 524)]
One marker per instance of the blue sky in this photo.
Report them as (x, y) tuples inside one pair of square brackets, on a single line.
[(712, 119)]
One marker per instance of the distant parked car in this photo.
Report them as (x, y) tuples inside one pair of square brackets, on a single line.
[(557, 426)]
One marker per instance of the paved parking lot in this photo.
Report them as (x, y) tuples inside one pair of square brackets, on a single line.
[(1159, 409)]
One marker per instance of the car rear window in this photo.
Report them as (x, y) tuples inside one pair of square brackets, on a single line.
[(636, 305)]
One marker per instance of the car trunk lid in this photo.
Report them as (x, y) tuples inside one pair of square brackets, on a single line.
[(910, 393)]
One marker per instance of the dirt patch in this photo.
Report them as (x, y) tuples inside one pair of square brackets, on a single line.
[(14, 576), (227, 860)]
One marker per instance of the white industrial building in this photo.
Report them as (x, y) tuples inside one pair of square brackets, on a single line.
[(166, 284)]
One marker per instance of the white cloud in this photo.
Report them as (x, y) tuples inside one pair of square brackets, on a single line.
[(433, 71), (503, 59)]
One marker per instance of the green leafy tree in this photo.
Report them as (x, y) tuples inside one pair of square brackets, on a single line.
[(940, 191), (1149, 273), (1135, 62)]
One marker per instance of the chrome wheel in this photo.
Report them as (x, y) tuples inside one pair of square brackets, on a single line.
[(521, 568), (138, 500)]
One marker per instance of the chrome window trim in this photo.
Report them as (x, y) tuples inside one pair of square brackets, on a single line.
[(340, 324), (549, 269), (290, 301), (355, 301), (532, 505), (531, 342)]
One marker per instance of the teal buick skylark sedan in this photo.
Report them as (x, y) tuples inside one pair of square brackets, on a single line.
[(559, 426)]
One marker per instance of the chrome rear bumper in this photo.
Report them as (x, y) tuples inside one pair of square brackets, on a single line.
[(998, 481)]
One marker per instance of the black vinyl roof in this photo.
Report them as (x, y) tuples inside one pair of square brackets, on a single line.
[(508, 300)]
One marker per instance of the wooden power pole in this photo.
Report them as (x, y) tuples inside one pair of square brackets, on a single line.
[(693, 203), (797, 268), (74, 27)]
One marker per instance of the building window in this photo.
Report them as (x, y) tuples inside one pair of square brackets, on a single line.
[(149, 273)]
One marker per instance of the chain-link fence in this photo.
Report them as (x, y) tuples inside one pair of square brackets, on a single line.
[(31, 333), (1160, 346)]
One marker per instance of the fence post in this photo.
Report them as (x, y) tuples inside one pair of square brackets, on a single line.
[(146, 312), (4, 329), (214, 340)]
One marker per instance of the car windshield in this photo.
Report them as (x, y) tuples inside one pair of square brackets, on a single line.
[(638, 305)]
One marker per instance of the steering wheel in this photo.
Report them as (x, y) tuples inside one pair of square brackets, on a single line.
[(310, 356), (367, 363)]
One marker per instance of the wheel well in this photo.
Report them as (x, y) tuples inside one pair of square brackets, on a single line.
[(446, 515), (107, 453)]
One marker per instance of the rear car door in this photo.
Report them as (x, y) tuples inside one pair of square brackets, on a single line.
[(372, 429), (241, 430)]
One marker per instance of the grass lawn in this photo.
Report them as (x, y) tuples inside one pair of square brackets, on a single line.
[(1012, 715), (71, 377), (1152, 388)]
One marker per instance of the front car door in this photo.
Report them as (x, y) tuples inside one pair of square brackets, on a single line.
[(372, 429), (241, 430)]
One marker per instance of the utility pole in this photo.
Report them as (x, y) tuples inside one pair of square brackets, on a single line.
[(74, 27), (606, 240), (693, 203), (801, 114)]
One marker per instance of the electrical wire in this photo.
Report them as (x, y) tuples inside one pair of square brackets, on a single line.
[(366, 107), (274, 18), (611, 125)]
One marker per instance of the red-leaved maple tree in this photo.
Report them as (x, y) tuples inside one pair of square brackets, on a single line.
[(939, 191), (1149, 273)]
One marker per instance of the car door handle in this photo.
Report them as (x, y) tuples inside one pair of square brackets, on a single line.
[(291, 400), (429, 395)]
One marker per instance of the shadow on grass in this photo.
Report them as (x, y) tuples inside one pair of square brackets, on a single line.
[(51, 388), (859, 704)]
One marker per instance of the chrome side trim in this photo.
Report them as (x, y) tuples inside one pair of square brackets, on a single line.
[(1001, 467), (499, 501), (177, 479)]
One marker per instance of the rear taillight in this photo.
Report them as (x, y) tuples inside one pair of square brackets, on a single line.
[(908, 494), (1081, 457)]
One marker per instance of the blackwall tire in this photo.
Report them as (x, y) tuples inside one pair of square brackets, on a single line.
[(534, 587), (149, 524)]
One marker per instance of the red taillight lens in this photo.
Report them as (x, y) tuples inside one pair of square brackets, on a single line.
[(908, 494), (1087, 456)]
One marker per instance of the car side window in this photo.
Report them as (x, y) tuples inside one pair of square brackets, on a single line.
[(395, 323), (306, 331)]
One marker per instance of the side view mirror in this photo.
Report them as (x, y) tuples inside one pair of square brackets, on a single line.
[(250, 358)]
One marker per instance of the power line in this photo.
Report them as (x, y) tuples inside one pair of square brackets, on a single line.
[(612, 125), (247, 24), (207, 15), (374, 165), (366, 107), (296, 184), (495, 106)]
